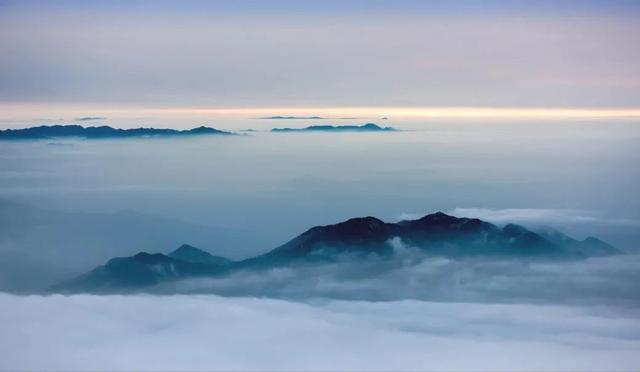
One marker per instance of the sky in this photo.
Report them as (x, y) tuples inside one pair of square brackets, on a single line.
[(64, 59)]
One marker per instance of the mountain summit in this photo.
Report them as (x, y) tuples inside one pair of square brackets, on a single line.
[(192, 254)]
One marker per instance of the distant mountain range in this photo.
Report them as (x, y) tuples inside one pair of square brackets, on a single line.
[(57, 131), (436, 234), (78, 131), (369, 127)]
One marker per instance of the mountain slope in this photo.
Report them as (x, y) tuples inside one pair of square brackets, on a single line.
[(192, 254)]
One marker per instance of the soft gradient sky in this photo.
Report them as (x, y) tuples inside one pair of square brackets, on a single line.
[(127, 55)]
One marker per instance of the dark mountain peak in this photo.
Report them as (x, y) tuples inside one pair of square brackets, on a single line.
[(189, 253), (205, 130), (358, 225), (440, 220), (361, 233), (142, 255), (186, 248), (151, 258), (438, 216), (354, 228)]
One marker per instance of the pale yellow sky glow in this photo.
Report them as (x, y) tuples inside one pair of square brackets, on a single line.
[(31, 113), (421, 112)]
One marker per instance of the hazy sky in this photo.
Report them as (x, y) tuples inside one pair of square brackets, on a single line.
[(320, 54)]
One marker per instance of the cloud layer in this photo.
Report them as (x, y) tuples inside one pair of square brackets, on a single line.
[(213, 333)]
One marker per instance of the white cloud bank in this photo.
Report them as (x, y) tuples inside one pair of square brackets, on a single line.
[(537, 216), (206, 332), (518, 215)]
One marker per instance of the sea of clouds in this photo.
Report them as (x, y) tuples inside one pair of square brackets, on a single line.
[(207, 332)]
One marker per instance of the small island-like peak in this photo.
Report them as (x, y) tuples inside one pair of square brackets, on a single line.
[(368, 127)]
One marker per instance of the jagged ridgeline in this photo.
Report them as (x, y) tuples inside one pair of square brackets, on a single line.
[(436, 234)]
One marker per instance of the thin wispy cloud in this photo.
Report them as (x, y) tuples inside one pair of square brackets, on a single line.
[(279, 117), (90, 118), (541, 215)]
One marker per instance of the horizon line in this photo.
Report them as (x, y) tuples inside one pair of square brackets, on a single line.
[(453, 112)]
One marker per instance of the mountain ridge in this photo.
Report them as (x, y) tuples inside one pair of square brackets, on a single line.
[(436, 234), (93, 132)]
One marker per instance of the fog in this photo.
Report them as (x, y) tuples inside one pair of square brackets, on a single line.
[(213, 333)]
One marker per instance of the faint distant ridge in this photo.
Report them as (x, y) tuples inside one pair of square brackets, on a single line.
[(369, 127), (278, 117), (88, 118), (57, 131)]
